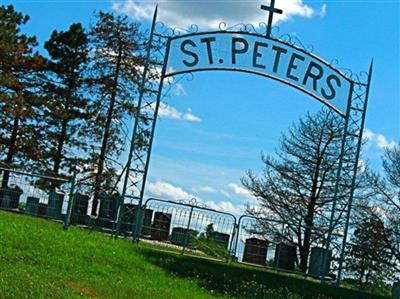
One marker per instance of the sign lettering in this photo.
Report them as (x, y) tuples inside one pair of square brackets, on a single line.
[(262, 56)]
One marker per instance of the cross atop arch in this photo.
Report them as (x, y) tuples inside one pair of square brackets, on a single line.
[(271, 9)]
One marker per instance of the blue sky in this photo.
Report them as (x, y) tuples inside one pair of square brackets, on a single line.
[(215, 126)]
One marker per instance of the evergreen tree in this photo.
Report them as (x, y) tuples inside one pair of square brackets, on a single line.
[(20, 92), (369, 256), (67, 112), (116, 65)]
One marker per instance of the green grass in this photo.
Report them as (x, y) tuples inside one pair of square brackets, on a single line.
[(38, 259)]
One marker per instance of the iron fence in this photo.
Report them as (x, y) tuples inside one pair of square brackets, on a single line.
[(185, 226), (189, 226), (266, 242), (36, 195)]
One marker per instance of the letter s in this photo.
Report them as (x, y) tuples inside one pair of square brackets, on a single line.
[(329, 80), (190, 53)]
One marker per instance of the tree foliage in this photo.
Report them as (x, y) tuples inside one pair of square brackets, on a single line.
[(116, 63), (297, 184), (384, 201), (369, 256), (67, 107), (20, 96)]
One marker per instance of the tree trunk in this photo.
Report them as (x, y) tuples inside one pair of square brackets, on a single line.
[(103, 151), (60, 146), (309, 220), (11, 151)]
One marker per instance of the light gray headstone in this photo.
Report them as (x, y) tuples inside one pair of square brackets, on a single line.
[(396, 290)]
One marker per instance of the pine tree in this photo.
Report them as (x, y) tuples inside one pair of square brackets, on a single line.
[(67, 113), (116, 66), (20, 92), (369, 256)]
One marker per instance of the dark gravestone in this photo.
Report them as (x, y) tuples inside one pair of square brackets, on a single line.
[(32, 205), (107, 212), (396, 290), (285, 256), (10, 197), (255, 251), (15, 194), (161, 225), (42, 210), (79, 209), (181, 236), (55, 205), (320, 261), (127, 218), (5, 198), (220, 238), (146, 227)]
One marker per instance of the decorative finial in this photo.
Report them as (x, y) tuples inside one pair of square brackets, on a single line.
[(271, 9)]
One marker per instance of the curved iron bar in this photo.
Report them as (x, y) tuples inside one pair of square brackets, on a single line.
[(177, 31), (247, 28), (182, 202), (239, 27), (293, 40)]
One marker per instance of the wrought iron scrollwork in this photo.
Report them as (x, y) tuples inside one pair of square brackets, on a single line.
[(193, 202), (292, 40), (245, 28)]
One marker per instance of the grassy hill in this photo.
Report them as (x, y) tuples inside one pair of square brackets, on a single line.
[(38, 259)]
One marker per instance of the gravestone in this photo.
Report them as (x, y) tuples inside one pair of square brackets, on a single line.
[(181, 236), (5, 198), (220, 238), (15, 194), (161, 225), (32, 205), (55, 205), (79, 209), (285, 256), (42, 210), (10, 197), (255, 251), (107, 212), (146, 225), (127, 218), (396, 290), (316, 267)]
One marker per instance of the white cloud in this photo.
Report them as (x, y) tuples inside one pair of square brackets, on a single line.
[(189, 116), (225, 206), (362, 164), (323, 10), (208, 14), (169, 112), (226, 194), (378, 140), (166, 190), (180, 90), (205, 189), (241, 192)]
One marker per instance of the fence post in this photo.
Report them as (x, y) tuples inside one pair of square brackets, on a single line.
[(232, 247), (187, 229), (70, 202), (137, 226)]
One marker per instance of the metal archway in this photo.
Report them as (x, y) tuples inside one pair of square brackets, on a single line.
[(179, 53)]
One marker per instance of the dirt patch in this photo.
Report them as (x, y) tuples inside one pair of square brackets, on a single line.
[(82, 290)]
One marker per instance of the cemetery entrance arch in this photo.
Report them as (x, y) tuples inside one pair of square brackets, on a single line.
[(243, 48)]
